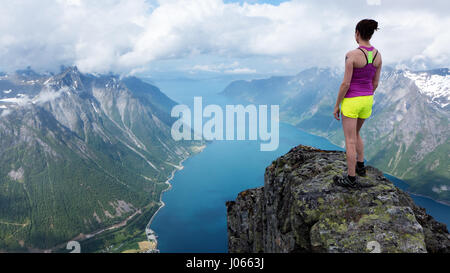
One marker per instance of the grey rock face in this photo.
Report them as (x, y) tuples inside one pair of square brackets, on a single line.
[(300, 209)]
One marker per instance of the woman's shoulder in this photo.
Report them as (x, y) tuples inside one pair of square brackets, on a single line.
[(353, 52)]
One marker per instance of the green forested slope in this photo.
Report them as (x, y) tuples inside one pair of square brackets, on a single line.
[(86, 159)]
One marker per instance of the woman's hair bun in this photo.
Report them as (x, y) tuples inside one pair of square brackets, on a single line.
[(373, 24), (366, 28)]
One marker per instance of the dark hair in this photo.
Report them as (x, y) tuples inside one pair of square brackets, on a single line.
[(366, 28)]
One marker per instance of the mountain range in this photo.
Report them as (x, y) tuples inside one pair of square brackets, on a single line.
[(80, 153), (407, 135)]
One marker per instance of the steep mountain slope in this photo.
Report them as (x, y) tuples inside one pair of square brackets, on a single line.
[(298, 96), (407, 136), (301, 209), (434, 84), (79, 153)]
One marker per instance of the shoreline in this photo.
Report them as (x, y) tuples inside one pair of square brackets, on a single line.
[(148, 231), (417, 194), (428, 197), (81, 237)]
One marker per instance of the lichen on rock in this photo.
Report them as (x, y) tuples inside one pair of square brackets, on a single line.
[(300, 209)]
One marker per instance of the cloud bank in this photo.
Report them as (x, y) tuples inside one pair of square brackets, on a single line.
[(126, 36)]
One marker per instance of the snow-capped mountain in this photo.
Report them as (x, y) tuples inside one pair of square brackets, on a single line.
[(435, 84)]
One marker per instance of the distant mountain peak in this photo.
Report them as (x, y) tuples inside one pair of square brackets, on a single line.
[(72, 68), (28, 73), (438, 71), (70, 77), (435, 84)]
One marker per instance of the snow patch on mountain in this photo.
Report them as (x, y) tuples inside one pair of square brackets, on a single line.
[(436, 86), (42, 97), (20, 100)]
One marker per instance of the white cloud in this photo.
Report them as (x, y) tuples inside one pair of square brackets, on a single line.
[(47, 95), (44, 96), (124, 36), (243, 70), (231, 68), (19, 100), (373, 2), (4, 113), (205, 68)]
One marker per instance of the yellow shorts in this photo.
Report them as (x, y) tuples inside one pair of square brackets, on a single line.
[(357, 107)]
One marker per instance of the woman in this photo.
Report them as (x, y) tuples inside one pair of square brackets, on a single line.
[(362, 74)]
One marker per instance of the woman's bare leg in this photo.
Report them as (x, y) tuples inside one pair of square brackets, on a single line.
[(349, 125), (359, 141)]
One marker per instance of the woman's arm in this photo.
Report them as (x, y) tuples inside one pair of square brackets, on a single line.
[(345, 84)]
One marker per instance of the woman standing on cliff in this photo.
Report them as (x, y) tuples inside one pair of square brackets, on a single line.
[(355, 98)]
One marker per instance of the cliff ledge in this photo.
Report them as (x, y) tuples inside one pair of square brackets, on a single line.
[(300, 209)]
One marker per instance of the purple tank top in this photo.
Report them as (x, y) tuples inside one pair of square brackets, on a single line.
[(361, 83)]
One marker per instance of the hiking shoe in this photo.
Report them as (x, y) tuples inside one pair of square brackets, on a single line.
[(345, 182), (361, 171)]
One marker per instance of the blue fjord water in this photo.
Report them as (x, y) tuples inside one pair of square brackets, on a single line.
[(194, 218)]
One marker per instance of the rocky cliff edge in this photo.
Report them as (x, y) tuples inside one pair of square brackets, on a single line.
[(300, 209)]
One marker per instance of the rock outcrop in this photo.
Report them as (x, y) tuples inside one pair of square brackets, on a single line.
[(300, 209)]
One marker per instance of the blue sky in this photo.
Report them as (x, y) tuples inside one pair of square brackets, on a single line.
[(198, 38)]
